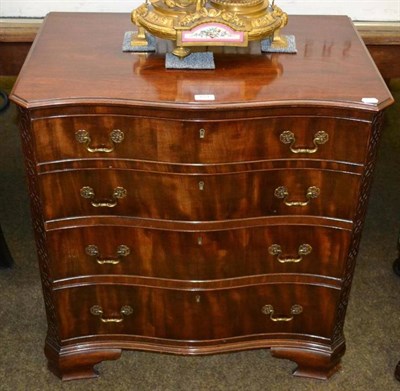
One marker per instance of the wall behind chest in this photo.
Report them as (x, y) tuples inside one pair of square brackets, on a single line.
[(384, 10)]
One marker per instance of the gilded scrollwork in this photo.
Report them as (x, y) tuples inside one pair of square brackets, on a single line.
[(169, 19), (232, 18)]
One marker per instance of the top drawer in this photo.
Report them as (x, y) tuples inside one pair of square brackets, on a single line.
[(121, 137)]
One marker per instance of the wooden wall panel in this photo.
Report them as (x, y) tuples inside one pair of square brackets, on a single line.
[(382, 40)]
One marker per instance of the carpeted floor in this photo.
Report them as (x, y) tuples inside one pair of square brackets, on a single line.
[(372, 326)]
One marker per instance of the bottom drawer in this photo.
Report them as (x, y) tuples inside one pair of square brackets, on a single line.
[(172, 314)]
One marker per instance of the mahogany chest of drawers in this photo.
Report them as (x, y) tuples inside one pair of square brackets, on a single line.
[(168, 224)]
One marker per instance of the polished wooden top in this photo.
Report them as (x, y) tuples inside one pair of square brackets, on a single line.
[(77, 58)]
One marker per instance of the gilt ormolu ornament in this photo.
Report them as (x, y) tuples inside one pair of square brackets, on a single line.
[(192, 23)]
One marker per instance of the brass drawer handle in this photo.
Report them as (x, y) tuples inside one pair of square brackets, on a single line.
[(282, 192), (269, 310), (287, 137), (83, 137), (93, 251), (118, 193), (96, 310), (276, 249)]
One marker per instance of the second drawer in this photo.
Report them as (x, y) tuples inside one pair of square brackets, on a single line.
[(199, 197)]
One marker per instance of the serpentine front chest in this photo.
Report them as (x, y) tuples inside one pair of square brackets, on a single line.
[(170, 224)]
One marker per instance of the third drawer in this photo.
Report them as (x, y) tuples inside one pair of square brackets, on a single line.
[(198, 255)]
